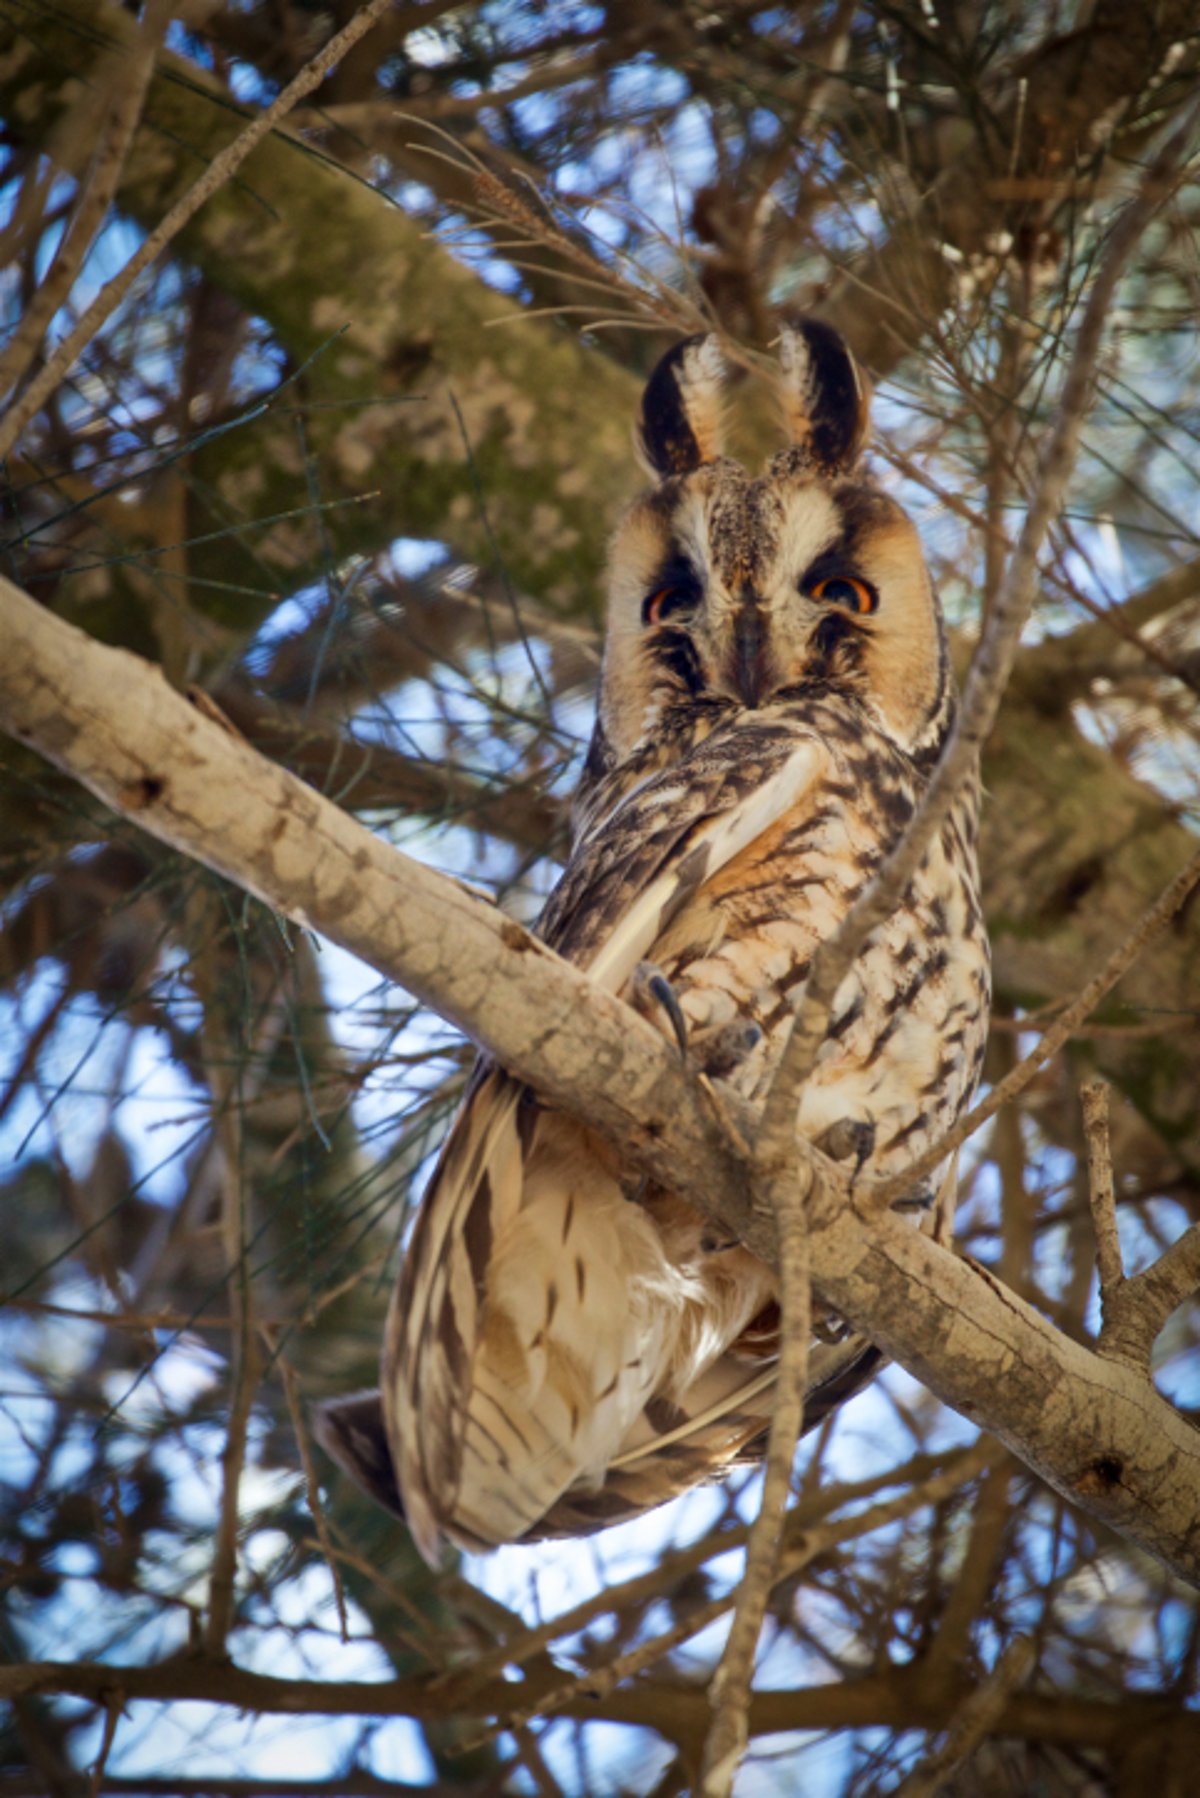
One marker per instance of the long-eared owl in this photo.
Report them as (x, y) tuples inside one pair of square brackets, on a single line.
[(568, 1346)]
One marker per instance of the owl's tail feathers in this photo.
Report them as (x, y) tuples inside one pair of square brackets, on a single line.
[(352, 1433), (722, 1424)]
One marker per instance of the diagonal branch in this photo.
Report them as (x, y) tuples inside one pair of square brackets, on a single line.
[(1093, 1428)]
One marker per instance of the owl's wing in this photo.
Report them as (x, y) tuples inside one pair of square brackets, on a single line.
[(721, 1426), (533, 1316), (627, 881)]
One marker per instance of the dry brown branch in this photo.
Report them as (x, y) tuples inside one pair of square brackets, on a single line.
[(1141, 1306), (975, 1578), (112, 1716), (372, 777), (894, 1699), (781, 1187), (1094, 1098)]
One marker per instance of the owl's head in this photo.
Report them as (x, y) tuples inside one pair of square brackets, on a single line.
[(728, 591)]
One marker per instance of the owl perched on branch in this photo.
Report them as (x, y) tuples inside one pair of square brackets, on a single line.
[(568, 1346)]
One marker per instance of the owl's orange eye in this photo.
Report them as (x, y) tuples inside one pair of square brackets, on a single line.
[(845, 590), (660, 604)]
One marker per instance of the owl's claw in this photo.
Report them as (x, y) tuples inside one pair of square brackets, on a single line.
[(918, 1198), (650, 982)]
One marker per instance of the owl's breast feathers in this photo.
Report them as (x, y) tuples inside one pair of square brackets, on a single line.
[(559, 1355)]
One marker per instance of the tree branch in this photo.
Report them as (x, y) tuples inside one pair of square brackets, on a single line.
[(892, 1700), (1091, 1427)]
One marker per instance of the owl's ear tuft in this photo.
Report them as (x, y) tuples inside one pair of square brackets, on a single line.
[(680, 426), (351, 1431), (826, 398)]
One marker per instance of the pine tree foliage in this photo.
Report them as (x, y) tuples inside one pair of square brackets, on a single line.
[(341, 463)]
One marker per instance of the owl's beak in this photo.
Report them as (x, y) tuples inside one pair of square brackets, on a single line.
[(749, 658)]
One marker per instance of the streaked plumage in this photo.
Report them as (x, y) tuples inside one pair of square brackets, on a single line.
[(566, 1346)]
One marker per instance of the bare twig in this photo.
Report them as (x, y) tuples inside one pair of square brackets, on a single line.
[(312, 1488), (219, 170), (1094, 1098), (1141, 1306), (975, 1719), (976, 1576), (124, 106), (221, 1073), (997, 648), (112, 1716), (726, 1740)]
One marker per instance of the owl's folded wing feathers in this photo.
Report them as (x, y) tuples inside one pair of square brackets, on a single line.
[(535, 1313)]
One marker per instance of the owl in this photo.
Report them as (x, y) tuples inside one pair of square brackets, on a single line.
[(569, 1345)]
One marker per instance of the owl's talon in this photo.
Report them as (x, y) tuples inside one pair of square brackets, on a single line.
[(650, 982), (918, 1198), (664, 992)]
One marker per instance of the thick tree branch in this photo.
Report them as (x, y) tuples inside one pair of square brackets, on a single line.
[(895, 1699), (1092, 1428)]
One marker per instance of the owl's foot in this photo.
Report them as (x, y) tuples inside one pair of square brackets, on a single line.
[(718, 1051), (721, 1051), (847, 1137)]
